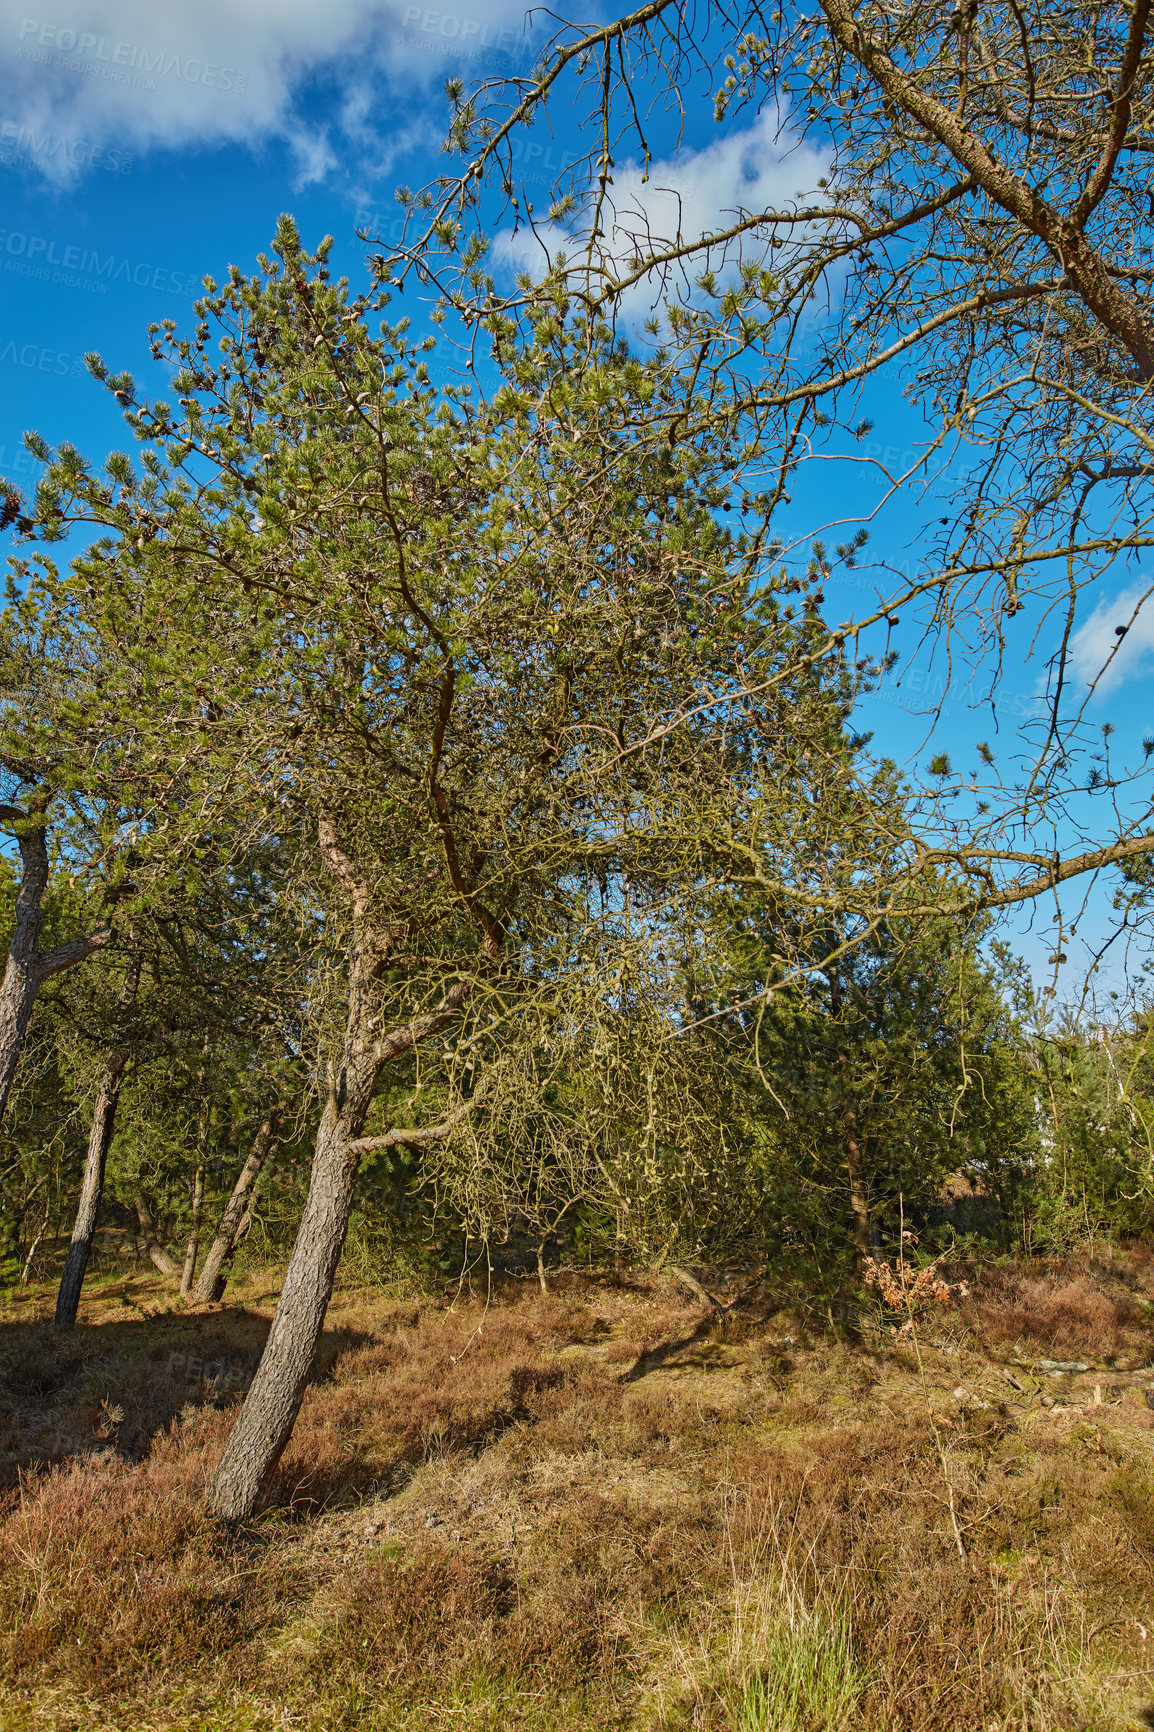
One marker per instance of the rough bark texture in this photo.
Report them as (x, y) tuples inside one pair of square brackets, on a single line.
[(27, 969), (20, 984), (270, 1408), (103, 1122), (221, 1281), (209, 1284), (225, 1270), (266, 1419), (154, 1250)]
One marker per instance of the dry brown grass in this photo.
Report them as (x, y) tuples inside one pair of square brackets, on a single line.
[(596, 1509), (1089, 1307)]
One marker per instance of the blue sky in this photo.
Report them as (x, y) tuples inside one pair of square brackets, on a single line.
[(143, 143)]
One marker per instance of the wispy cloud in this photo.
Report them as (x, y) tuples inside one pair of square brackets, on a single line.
[(1099, 654), (170, 73), (694, 193)]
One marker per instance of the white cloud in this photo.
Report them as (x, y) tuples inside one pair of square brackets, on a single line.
[(1096, 641), (688, 195), (312, 152), (171, 72)]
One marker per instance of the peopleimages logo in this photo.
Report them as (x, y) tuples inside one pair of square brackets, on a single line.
[(120, 62), (470, 33), (26, 141), (52, 261), (21, 462), (38, 359)]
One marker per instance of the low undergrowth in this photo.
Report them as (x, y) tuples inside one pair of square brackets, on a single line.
[(603, 1508)]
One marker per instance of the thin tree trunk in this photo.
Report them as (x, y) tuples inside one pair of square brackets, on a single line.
[(192, 1249), (228, 1230), (154, 1250), (103, 1123), (246, 1220), (26, 969), (266, 1419), (268, 1413), (92, 1188), (27, 1269), (21, 980)]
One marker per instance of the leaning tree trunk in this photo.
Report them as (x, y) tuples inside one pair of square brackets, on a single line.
[(103, 1122), (92, 1188), (270, 1408), (26, 1271), (266, 1419), (27, 969), (229, 1228), (225, 1270), (153, 1248)]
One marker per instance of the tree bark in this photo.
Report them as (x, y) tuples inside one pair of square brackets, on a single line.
[(204, 1114), (20, 984), (266, 1419), (27, 969), (221, 1281), (103, 1123), (192, 1249), (269, 1411), (154, 1250), (92, 1188), (228, 1230)]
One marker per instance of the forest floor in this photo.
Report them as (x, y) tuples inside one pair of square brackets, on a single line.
[(611, 1507)]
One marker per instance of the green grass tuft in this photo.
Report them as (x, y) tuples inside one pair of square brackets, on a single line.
[(808, 1681)]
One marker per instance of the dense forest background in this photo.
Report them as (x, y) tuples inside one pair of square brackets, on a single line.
[(920, 1078)]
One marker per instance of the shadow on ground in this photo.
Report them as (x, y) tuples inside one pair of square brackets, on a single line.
[(108, 1389)]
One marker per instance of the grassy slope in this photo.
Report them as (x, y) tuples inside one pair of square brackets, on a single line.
[(600, 1509)]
